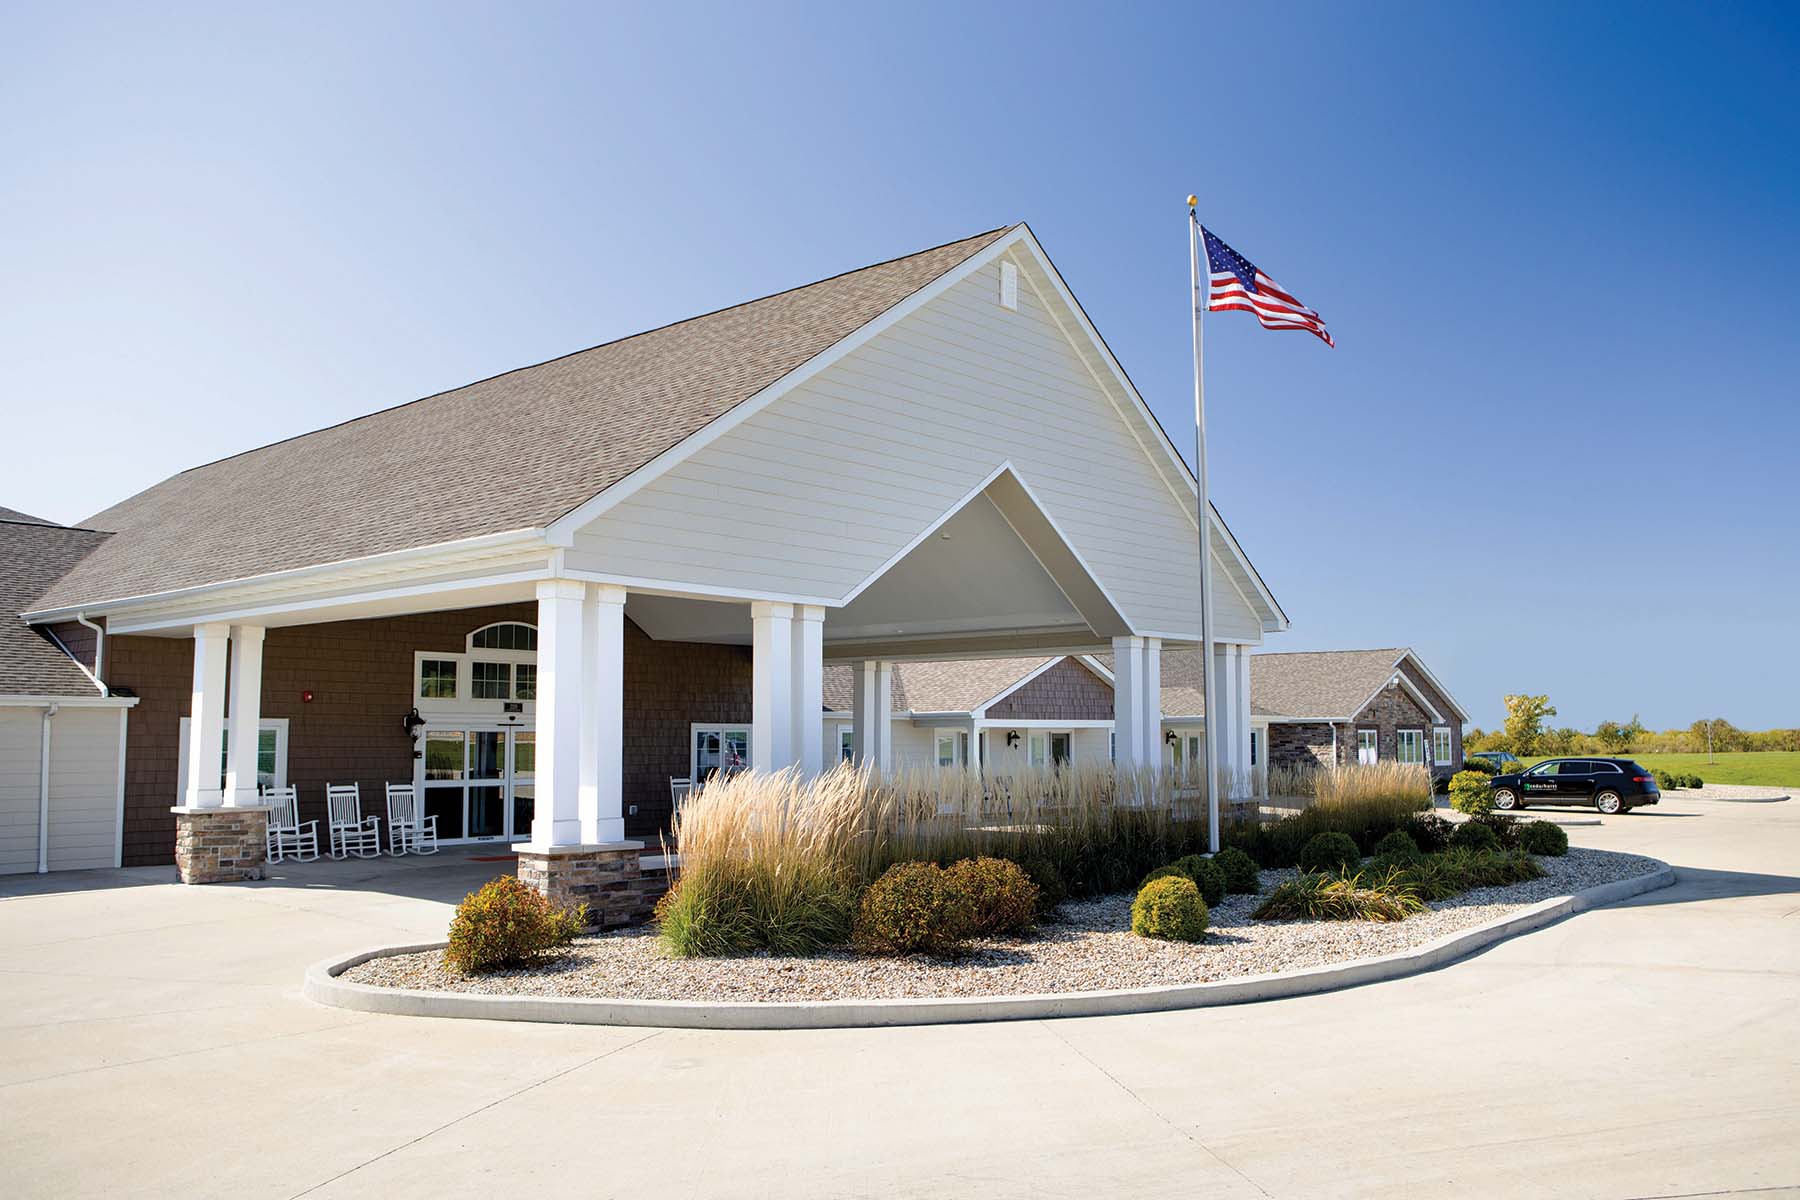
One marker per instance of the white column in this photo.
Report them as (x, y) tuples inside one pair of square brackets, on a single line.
[(809, 688), (246, 714), (1150, 707), (771, 685), (975, 746), (865, 733), (557, 817), (1240, 715), (206, 718), (884, 715), (1128, 701), (1224, 723), (601, 804)]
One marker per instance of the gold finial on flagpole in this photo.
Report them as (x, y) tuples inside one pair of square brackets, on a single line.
[(1193, 201)]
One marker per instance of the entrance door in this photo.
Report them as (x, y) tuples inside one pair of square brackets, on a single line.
[(477, 782)]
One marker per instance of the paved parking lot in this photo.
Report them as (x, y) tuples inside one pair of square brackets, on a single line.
[(153, 1042)]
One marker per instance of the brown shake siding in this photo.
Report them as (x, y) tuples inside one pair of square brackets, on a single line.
[(77, 639), (360, 675), (1067, 691)]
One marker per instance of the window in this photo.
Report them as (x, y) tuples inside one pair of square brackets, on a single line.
[(1255, 746), (718, 750), (525, 681), (271, 754), (1368, 748), (952, 748), (1440, 745), (1040, 749), (1409, 746), (437, 679), (490, 680), (846, 743), (443, 755), (506, 636)]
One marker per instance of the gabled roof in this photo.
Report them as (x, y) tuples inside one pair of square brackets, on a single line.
[(1183, 690), (1332, 685), (19, 518), (512, 452), (958, 686), (33, 554)]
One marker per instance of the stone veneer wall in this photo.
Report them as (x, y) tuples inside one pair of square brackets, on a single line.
[(221, 845), (1300, 745), (610, 881), (360, 674)]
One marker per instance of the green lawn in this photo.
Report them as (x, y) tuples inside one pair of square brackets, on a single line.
[(1776, 768)]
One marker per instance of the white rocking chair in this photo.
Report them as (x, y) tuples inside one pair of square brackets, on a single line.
[(409, 832), (680, 788), (351, 832), (289, 837)]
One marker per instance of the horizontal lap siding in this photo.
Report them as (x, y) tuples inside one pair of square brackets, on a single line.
[(19, 776), (84, 787), (818, 491)]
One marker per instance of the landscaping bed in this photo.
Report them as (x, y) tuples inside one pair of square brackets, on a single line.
[(1090, 947)]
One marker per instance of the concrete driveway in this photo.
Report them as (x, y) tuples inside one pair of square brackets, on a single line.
[(153, 1042)]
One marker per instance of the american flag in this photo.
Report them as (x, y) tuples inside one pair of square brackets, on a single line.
[(1237, 286)]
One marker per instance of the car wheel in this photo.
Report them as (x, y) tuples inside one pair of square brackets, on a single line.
[(1609, 803), (1505, 799)]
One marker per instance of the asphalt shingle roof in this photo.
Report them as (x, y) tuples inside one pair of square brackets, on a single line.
[(33, 554), (1322, 683), (936, 687), (14, 515), (513, 452)]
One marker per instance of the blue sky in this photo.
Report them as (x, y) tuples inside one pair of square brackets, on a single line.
[(1554, 449)]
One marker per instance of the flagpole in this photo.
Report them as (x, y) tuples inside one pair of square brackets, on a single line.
[(1210, 748)]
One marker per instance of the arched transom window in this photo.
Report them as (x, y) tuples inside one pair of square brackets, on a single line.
[(498, 664)]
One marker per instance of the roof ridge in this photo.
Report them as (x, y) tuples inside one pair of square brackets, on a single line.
[(54, 525), (988, 233)]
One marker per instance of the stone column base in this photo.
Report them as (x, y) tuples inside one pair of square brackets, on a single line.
[(609, 878), (221, 845)]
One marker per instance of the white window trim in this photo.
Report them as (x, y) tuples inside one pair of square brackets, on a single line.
[(1399, 740), (1449, 746), (720, 727), (1375, 745), (959, 736), (464, 702), (278, 724)]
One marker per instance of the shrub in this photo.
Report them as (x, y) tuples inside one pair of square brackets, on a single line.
[(1341, 897), (1052, 891), (1397, 846), (1484, 766), (1504, 825), (1328, 852), (1430, 831), (1169, 908), (1693, 781), (1471, 793), (696, 921), (1167, 872), (508, 924), (1005, 899), (1239, 870), (1541, 837), (1666, 780), (1474, 835), (914, 907), (1437, 877), (1206, 874)]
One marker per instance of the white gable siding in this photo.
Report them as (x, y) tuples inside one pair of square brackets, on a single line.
[(816, 492)]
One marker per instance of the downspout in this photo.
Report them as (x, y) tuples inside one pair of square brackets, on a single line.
[(99, 650), (43, 863)]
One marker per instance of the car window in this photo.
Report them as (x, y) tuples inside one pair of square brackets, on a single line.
[(1577, 767), (1548, 768), (1602, 767)]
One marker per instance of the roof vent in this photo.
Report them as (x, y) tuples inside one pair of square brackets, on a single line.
[(1009, 286)]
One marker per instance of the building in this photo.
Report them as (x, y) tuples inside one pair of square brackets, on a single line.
[(541, 596)]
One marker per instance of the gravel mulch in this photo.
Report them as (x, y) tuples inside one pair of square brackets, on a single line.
[(1089, 948)]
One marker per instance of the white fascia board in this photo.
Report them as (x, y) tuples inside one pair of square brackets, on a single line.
[(372, 562), (562, 530), (1443, 691), (691, 591), (1037, 723), (1094, 664), (68, 701), (1147, 420), (249, 613)]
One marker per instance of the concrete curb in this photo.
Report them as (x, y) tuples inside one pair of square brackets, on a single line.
[(324, 986), (1739, 799)]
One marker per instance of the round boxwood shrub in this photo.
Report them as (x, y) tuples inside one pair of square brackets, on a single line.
[(1471, 793), (508, 924), (1169, 908), (1397, 846), (1052, 888), (1430, 832), (1206, 874), (1240, 872), (1329, 851), (1692, 781), (1475, 835), (914, 907), (1005, 899), (1541, 837)]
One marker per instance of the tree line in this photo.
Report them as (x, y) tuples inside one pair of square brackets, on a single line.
[(1527, 732)]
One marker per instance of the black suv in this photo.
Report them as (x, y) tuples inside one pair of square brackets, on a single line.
[(1612, 785)]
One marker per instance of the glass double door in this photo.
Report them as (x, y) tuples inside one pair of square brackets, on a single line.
[(478, 782)]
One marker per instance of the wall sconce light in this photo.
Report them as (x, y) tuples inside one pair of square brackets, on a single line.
[(1169, 738), (1012, 737), (411, 723)]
